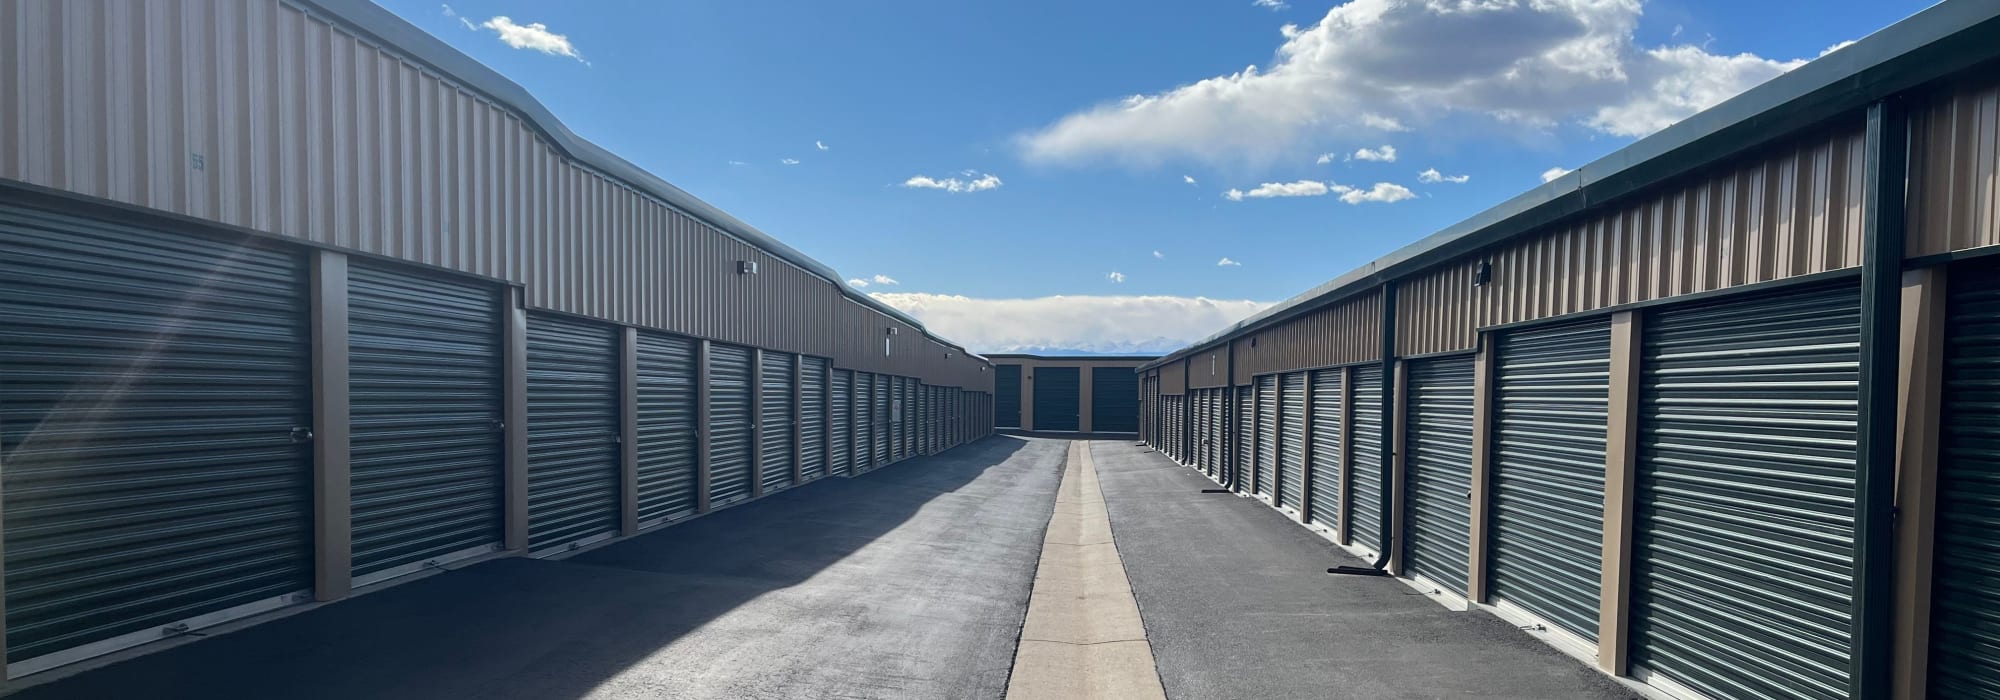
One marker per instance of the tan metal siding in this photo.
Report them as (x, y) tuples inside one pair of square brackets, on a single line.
[(310, 132), (1173, 380), (1349, 331), (1209, 369), (1786, 212), (1955, 169)]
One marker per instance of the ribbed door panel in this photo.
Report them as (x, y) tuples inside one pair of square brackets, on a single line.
[(573, 427), (841, 441), (1551, 393), (864, 421), (880, 430), (1324, 506), (1246, 437), (1438, 471), (1057, 391), (1364, 524), (1965, 589), (1267, 436), (425, 461), (777, 417), (1292, 441), (729, 416), (149, 386), (1007, 396), (1114, 400), (899, 418), (812, 419), (667, 417), (1748, 411)]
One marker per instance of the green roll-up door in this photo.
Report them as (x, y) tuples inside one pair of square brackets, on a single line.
[(1114, 400), (667, 427), (573, 426), (864, 422), (425, 464), (900, 412), (154, 403), (1438, 471), (812, 419), (1007, 395), (1267, 435), (1364, 499), (1551, 397), (842, 439), (880, 429), (1205, 437), (932, 422), (1246, 437), (1292, 441), (776, 421), (1324, 506), (1744, 502), (1965, 587), (1057, 391), (730, 418), (1218, 438)]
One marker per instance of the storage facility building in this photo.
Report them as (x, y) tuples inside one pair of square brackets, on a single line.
[(295, 300), (1715, 413), (1084, 394)]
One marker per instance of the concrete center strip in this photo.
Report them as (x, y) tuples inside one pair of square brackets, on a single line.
[(1082, 637)]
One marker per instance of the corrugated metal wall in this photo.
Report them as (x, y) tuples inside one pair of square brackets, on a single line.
[(1209, 370), (1350, 331), (307, 131), (1955, 168), (1782, 213)]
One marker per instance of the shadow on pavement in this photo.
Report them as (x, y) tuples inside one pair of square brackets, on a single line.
[(820, 590)]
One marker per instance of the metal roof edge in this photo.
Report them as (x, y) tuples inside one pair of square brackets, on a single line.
[(395, 31), (1931, 44)]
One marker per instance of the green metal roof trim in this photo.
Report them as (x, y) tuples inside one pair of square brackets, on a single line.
[(1944, 39), (384, 26)]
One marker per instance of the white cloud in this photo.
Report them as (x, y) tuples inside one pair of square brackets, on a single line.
[(1433, 176), (1299, 188), (1108, 324), (533, 35), (1552, 173), (1226, 262), (821, 145), (1188, 178), (1116, 277), (463, 22), (737, 162), (886, 280), (858, 283), (1382, 192), (1157, 255), (1272, 5), (1383, 63), (790, 161), (1385, 154), (1324, 158), (974, 183)]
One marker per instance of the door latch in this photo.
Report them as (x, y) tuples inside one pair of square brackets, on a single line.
[(302, 434)]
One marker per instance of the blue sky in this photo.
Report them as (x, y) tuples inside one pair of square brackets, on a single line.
[(1071, 130)]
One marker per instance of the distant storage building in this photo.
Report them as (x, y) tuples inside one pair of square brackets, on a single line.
[(1067, 394), (1718, 413), (295, 299)]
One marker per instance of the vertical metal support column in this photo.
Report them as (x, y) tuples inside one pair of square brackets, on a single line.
[(628, 431), (1482, 469), (1886, 162), (798, 425), (1919, 412), (1340, 528), (703, 436), (333, 493), (514, 420), (756, 423), (1391, 401), (1621, 469), (1399, 430), (1084, 398)]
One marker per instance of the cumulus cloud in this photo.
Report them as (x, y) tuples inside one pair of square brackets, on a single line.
[(1380, 192), (1272, 5), (1110, 324), (1389, 64), (533, 35), (1188, 178), (1552, 173), (886, 280), (790, 161), (1433, 176), (1226, 262), (858, 283), (1385, 154), (821, 145), (1384, 192), (1157, 255), (975, 182), (1116, 277)]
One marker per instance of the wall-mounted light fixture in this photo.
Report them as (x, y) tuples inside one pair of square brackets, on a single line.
[(1253, 341), (1482, 274), (746, 267)]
